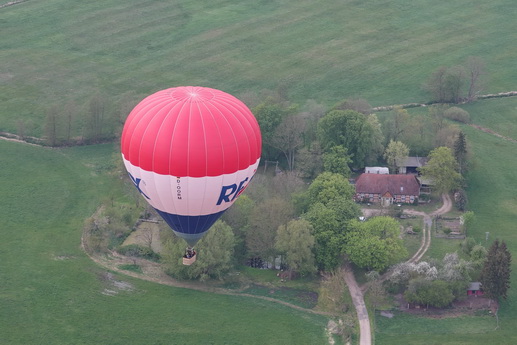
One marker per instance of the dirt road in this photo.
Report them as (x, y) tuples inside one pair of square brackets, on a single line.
[(427, 226), (365, 337)]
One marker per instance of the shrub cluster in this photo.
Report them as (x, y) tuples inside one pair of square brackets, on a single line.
[(457, 114), (136, 250)]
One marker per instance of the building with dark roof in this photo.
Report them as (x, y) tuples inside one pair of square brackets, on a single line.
[(410, 165), (387, 189)]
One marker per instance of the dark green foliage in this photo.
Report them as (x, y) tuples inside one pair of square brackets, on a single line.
[(495, 276), (336, 161), (374, 244), (435, 293), (442, 168), (460, 152), (461, 200), (238, 218), (329, 186), (349, 129), (296, 241), (269, 116), (214, 254), (135, 250), (329, 207), (328, 232)]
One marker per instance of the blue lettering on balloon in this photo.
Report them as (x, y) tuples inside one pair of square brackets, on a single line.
[(226, 192), (231, 191), (136, 182), (241, 188)]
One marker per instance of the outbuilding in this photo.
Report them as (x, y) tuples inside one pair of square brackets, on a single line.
[(474, 289)]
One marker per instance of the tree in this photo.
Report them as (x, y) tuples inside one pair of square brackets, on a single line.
[(446, 84), (460, 151), (376, 291), (375, 244), (376, 140), (397, 124), (329, 235), (214, 259), (467, 220), (454, 269), (336, 161), (328, 206), (442, 169), (295, 239), (52, 126), (328, 186), (264, 222), (311, 114), (396, 152), (288, 137), (455, 80), (238, 218), (349, 129), (495, 276), (435, 293), (461, 200), (99, 124), (69, 113), (436, 84), (475, 69), (310, 160), (269, 116), (287, 184)]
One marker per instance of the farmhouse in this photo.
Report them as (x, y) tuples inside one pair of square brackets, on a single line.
[(387, 189)]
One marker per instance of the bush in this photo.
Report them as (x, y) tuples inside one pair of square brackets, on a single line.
[(457, 114), (135, 250), (461, 200)]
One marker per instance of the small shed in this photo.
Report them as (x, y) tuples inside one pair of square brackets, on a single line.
[(474, 289)]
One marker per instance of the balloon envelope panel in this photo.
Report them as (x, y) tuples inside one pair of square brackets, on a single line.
[(191, 151)]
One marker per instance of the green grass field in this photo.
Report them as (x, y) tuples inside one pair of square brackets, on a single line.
[(52, 293), (55, 51)]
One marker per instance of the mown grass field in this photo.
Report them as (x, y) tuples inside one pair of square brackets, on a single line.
[(55, 51), (52, 293)]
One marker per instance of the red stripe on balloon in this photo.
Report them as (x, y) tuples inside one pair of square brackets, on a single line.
[(191, 131)]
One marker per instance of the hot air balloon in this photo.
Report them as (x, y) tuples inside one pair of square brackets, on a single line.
[(191, 151)]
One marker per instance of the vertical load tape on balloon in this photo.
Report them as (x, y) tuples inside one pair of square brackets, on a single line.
[(190, 152)]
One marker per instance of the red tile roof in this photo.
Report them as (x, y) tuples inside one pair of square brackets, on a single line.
[(394, 184)]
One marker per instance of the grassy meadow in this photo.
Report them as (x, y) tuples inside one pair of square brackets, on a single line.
[(51, 292), (56, 51)]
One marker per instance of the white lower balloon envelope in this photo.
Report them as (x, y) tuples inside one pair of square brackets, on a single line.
[(190, 205)]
